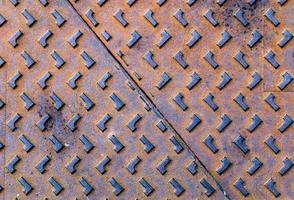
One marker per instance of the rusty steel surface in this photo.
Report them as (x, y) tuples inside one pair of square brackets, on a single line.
[(73, 126), (158, 99), (220, 73)]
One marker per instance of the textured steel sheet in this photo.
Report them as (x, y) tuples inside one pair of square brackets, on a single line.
[(74, 125), (228, 64)]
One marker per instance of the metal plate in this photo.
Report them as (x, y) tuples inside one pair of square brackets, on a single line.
[(243, 53), (73, 125)]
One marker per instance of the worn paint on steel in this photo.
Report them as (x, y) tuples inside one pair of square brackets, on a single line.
[(73, 123), (240, 54)]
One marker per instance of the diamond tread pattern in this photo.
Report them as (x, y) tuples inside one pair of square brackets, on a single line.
[(216, 79), (73, 125), (221, 73)]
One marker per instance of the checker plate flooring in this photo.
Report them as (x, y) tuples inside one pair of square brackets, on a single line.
[(155, 99)]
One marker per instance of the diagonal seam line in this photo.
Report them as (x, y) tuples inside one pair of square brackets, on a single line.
[(143, 94), (148, 100)]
